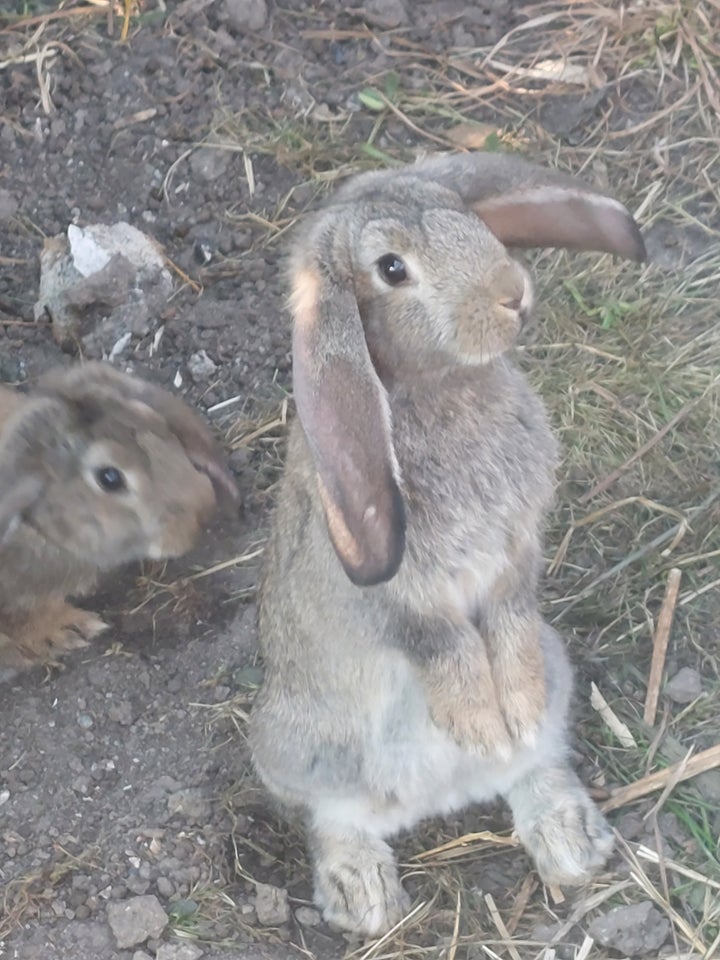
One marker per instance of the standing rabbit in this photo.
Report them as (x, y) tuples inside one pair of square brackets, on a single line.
[(408, 670), (97, 468)]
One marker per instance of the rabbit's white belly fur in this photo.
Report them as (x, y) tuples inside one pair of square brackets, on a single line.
[(413, 770)]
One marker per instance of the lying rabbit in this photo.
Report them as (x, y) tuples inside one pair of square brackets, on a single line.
[(96, 468), (408, 670)]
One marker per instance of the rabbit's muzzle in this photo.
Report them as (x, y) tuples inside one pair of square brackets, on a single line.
[(187, 513), (491, 316)]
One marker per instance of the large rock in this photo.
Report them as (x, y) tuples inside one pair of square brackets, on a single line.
[(245, 15), (638, 930), (101, 285), (135, 921), (271, 905)]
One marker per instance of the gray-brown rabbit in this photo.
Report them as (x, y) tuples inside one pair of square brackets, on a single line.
[(408, 670), (97, 468)]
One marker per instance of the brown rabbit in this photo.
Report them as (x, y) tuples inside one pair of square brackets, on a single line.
[(408, 669), (97, 468)]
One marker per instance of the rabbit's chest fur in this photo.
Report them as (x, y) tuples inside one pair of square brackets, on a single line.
[(372, 754), (341, 704), (30, 566), (477, 460), (420, 769)]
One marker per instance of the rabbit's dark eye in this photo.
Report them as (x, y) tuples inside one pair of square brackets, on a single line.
[(110, 479), (392, 269)]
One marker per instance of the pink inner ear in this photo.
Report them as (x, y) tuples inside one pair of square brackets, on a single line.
[(562, 217), (344, 412), (216, 471)]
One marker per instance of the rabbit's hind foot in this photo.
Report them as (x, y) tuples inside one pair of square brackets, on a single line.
[(356, 880), (559, 825)]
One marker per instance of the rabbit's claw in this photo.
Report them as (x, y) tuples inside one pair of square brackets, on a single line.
[(48, 634), (562, 829)]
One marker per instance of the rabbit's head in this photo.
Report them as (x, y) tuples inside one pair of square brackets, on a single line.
[(108, 467), (407, 269)]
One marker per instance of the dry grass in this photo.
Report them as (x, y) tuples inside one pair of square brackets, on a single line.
[(31, 896), (31, 36), (628, 362)]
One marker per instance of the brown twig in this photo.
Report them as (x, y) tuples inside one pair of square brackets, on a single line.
[(527, 889), (193, 284), (677, 776), (86, 11), (660, 644), (452, 950), (500, 926), (12, 322), (700, 763)]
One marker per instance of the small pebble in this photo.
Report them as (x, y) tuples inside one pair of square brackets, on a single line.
[(134, 921), (178, 951), (307, 916), (165, 887), (271, 905), (637, 930), (685, 686)]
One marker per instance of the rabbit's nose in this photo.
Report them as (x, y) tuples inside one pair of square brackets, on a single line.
[(520, 306), (512, 304)]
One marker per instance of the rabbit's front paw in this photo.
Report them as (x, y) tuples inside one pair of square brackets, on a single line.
[(52, 631), (357, 885), (467, 709), (518, 670), (566, 835), (80, 628), (523, 709), (476, 727)]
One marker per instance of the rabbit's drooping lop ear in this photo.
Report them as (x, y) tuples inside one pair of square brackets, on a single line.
[(18, 497), (96, 382), (525, 205), (202, 450), (345, 414), (37, 429)]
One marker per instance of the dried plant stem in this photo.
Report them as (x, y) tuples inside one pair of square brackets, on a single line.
[(660, 644), (700, 763)]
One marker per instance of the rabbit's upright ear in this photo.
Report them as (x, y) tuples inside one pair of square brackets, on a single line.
[(526, 205), (345, 414)]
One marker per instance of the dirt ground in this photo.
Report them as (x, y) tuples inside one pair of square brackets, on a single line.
[(124, 773)]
